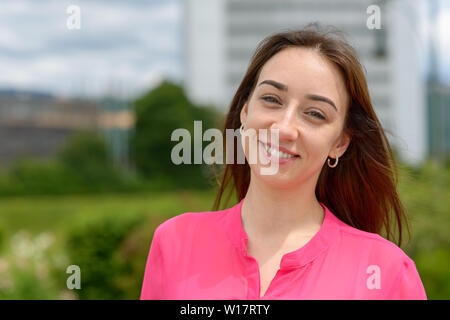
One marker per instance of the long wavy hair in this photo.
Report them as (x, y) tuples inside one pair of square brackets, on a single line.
[(362, 190)]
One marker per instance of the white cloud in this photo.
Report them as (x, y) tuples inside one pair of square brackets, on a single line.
[(131, 43)]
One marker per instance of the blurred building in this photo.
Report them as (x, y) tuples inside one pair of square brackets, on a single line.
[(117, 123), (37, 125), (221, 36), (439, 120), (438, 97)]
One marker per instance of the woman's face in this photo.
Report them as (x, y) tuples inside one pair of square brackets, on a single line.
[(303, 95)]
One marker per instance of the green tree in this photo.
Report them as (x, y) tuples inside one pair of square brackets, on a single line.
[(86, 157), (158, 113)]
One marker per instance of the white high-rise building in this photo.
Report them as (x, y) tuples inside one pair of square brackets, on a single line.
[(221, 36)]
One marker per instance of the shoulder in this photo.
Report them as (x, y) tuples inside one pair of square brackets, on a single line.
[(375, 257), (188, 223), (373, 246), (378, 256)]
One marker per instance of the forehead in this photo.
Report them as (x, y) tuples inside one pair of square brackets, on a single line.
[(305, 71)]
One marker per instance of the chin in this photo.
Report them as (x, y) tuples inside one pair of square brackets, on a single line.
[(279, 180)]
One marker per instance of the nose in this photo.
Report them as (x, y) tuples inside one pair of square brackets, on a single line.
[(287, 127)]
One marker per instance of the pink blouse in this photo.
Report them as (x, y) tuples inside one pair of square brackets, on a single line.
[(203, 255)]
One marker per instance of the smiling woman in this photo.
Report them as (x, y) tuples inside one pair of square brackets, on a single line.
[(313, 229)]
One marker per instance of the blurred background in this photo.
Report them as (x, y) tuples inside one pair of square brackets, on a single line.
[(90, 92)]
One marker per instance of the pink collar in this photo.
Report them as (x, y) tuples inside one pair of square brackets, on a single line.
[(326, 236)]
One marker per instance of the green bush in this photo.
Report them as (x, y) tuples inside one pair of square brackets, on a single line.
[(94, 246), (32, 176), (434, 272), (27, 268), (2, 237), (86, 157), (81, 166), (84, 150), (424, 191)]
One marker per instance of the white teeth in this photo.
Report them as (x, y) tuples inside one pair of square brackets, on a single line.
[(276, 153)]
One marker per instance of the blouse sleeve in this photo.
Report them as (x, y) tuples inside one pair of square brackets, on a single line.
[(152, 287), (408, 285)]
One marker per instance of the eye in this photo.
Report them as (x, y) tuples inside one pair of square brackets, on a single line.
[(317, 115), (270, 99)]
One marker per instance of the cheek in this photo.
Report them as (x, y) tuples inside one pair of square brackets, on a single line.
[(258, 119), (316, 144)]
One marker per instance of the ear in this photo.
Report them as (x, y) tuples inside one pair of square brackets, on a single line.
[(341, 145), (244, 112)]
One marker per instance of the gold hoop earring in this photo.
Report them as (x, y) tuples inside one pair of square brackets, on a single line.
[(241, 129), (335, 163)]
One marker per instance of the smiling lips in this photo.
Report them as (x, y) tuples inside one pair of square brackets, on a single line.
[(280, 153)]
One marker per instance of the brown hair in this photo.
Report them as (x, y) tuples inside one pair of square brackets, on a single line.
[(361, 191)]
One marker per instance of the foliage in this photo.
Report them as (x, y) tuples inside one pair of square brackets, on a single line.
[(86, 155), (108, 235), (434, 272), (72, 216), (84, 165), (81, 166), (94, 247), (425, 193), (28, 268), (158, 114)]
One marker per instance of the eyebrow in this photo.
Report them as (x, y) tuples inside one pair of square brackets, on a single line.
[(284, 87)]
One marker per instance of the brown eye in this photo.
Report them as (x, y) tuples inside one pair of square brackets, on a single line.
[(270, 99), (317, 115)]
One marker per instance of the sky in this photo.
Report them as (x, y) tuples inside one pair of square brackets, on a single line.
[(440, 29), (444, 42), (122, 47)]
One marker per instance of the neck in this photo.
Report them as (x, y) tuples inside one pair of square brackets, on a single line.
[(272, 213)]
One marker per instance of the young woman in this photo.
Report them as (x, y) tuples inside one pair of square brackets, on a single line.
[(312, 229)]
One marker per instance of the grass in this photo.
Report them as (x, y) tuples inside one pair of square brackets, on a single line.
[(55, 213)]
